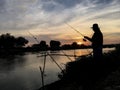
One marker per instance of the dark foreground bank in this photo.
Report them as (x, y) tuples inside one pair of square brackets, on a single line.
[(87, 74)]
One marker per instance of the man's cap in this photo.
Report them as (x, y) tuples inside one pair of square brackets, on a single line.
[(95, 25)]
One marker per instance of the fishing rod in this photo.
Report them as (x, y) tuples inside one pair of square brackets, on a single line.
[(42, 70), (33, 37), (46, 53), (67, 55), (75, 29), (56, 63), (80, 34)]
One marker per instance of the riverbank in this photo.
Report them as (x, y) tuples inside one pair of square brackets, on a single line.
[(87, 74)]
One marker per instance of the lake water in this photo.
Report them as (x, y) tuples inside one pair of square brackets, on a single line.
[(21, 72)]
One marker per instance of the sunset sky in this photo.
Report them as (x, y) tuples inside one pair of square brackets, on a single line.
[(46, 19)]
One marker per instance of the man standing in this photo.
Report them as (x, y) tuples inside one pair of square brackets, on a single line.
[(97, 42)]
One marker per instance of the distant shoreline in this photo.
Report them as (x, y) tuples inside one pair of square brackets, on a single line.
[(27, 49), (17, 51)]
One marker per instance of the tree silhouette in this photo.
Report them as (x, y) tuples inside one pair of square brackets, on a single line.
[(55, 45), (43, 45), (20, 41), (74, 45), (8, 41)]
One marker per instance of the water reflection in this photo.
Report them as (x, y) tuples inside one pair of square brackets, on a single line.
[(21, 72), (9, 63)]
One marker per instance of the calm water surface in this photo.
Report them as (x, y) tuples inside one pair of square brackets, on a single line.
[(21, 72)]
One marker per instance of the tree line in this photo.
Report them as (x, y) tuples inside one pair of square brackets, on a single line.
[(8, 41), (56, 45)]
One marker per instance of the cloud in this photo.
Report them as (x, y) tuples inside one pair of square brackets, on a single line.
[(50, 16), (102, 10), (45, 37), (114, 15), (13, 15), (55, 4), (111, 37), (31, 14), (2, 5)]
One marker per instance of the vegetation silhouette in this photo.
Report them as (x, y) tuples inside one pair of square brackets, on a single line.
[(20, 42), (42, 46), (11, 45), (55, 45), (7, 41)]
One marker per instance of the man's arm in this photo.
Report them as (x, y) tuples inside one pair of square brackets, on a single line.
[(86, 37)]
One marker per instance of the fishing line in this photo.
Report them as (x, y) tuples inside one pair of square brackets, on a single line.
[(46, 53), (66, 55), (80, 34), (33, 37), (75, 29)]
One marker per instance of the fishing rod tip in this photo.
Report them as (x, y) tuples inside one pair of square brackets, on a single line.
[(84, 40)]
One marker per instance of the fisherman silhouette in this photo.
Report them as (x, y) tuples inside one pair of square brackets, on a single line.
[(97, 42)]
